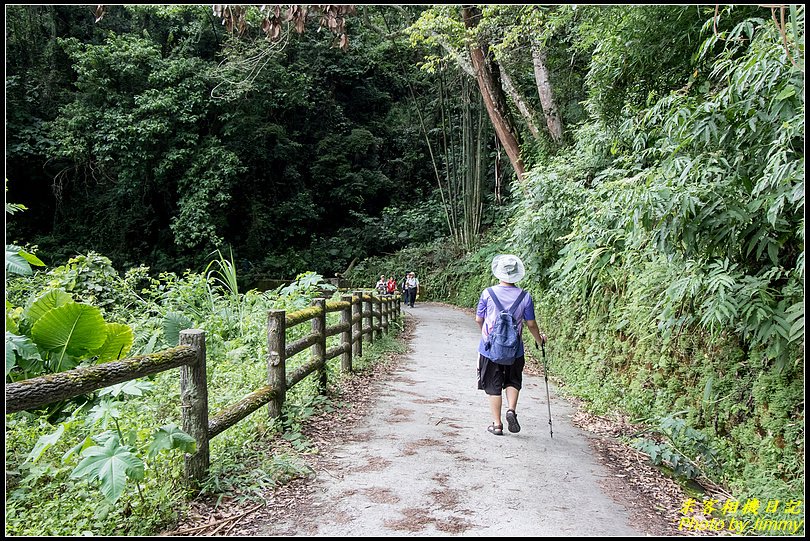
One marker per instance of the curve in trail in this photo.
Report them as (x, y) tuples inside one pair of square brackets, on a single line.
[(423, 463)]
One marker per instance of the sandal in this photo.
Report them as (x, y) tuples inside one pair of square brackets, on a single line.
[(511, 418), (495, 429)]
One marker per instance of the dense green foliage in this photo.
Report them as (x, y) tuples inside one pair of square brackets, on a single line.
[(155, 137)]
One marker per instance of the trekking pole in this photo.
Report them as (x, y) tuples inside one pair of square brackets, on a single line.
[(548, 395)]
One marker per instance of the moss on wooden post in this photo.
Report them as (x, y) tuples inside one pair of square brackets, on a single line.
[(346, 336), (234, 413), (194, 398), (319, 348), (357, 332), (301, 316), (276, 360)]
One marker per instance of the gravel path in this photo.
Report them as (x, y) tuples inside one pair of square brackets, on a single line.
[(423, 463)]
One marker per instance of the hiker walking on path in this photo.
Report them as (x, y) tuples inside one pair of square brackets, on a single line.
[(502, 311), (412, 288), (402, 286), (391, 285), (381, 286)]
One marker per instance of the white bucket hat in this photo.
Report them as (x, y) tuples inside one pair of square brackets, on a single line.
[(508, 268)]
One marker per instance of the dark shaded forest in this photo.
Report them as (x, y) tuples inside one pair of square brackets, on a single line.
[(156, 136)]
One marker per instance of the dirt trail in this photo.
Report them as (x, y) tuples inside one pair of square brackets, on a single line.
[(422, 461)]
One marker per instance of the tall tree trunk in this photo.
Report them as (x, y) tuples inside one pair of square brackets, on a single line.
[(550, 110), (488, 77), (522, 106)]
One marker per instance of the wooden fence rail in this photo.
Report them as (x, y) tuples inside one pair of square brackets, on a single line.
[(362, 316)]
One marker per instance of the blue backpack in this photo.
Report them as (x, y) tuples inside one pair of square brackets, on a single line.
[(503, 340)]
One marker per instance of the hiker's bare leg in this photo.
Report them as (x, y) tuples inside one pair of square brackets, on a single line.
[(512, 397), (495, 402)]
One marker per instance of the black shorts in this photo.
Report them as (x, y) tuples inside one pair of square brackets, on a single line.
[(493, 378)]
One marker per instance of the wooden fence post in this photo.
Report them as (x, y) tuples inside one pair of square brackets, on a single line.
[(357, 326), (386, 302), (346, 336), (368, 307), (319, 348), (377, 333), (194, 400), (276, 361)]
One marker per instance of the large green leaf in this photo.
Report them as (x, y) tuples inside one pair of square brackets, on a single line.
[(46, 302), (11, 321), (111, 464), (23, 349), (173, 323), (31, 258), (171, 437), (73, 329), (118, 343), (16, 263), (80, 447)]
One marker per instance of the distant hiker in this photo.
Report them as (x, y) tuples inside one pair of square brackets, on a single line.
[(402, 286), (412, 288), (382, 285), (391, 285), (502, 311)]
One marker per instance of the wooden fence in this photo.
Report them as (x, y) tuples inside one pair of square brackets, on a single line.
[(362, 316)]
